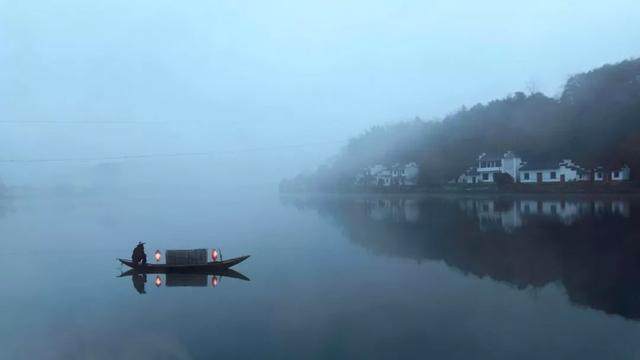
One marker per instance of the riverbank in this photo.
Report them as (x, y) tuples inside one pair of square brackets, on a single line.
[(628, 188)]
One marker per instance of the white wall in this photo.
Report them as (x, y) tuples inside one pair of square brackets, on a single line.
[(511, 166), (489, 176), (569, 175), (624, 174), (411, 172)]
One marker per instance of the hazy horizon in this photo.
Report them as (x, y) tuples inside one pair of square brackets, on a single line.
[(230, 77)]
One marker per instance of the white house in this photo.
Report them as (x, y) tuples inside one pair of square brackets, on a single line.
[(407, 174), (470, 176), (490, 165), (552, 172), (621, 174), (396, 175), (617, 174)]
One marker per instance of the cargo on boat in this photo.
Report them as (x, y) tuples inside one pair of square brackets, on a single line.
[(186, 257)]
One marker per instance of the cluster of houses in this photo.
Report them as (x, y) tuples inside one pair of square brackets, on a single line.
[(394, 175), (489, 166)]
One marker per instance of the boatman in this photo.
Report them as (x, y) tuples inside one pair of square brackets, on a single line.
[(138, 256)]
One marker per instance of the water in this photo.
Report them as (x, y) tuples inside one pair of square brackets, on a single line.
[(330, 277)]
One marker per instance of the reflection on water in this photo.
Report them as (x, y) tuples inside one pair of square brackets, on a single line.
[(591, 246), (512, 214), (180, 279), (341, 278)]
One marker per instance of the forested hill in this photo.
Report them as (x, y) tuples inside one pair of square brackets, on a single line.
[(595, 121)]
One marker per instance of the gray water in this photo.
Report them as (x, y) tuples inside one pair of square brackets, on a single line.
[(330, 277)]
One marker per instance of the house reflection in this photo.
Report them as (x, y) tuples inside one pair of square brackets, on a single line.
[(500, 214), (509, 215), (591, 246), (396, 210)]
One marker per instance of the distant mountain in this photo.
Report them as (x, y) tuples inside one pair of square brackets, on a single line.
[(595, 121)]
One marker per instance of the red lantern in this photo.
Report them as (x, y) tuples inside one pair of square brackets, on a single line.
[(157, 255), (214, 281), (158, 281), (214, 255)]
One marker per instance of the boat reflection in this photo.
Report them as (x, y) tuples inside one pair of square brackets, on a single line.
[(180, 279), (589, 245)]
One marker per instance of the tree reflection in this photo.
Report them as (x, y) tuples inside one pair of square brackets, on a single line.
[(590, 246)]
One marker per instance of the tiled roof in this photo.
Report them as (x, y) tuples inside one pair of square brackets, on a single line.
[(540, 165), (490, 157)]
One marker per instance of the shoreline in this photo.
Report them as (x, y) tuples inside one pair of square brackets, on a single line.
[(597, 191)]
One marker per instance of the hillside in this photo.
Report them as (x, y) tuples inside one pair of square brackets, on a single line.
[(595, 121)]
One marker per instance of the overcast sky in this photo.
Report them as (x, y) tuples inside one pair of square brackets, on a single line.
[(227, 75)]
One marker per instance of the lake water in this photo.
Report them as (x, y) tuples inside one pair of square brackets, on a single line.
[(330, 277)]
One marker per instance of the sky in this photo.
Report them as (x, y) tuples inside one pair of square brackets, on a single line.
[(243, 80)]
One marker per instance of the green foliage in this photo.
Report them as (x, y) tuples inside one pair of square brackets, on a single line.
[(596, 121)]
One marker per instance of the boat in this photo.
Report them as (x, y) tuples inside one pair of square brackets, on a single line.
[(165, 268)]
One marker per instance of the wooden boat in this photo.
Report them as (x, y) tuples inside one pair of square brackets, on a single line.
[(164, 268)]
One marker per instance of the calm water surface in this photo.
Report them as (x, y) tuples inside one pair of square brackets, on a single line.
[(331, 277)]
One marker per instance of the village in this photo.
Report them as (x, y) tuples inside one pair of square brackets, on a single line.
[(532, 172), (496, 168)]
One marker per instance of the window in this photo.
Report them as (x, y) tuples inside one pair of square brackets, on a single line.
[(526, 209), (526, 176), (616, 174), (485, 176), (552, 175)]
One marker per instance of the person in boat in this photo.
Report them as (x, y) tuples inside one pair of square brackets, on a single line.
[(138, 256)]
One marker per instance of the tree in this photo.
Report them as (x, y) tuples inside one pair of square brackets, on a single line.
[(594, 122)]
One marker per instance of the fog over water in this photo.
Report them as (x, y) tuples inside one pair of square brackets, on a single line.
[(172, 123), (227, 76), (338, 277)]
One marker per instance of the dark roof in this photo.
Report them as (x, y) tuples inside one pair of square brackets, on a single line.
[(540, 165), (490, 156), (610, 168)]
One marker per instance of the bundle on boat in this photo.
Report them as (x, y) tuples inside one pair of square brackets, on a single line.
[(186, 257)]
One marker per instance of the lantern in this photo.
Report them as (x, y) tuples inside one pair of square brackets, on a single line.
[(214, 255), (158, 281), (157, 255), (214, 281)]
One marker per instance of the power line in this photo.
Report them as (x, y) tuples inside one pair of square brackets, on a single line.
[(80, 122), (167, 155)]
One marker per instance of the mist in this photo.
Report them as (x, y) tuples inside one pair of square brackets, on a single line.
[(264, 91), (316, 164)]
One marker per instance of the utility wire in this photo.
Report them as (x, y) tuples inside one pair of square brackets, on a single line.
[(166, 155), (80, 122)]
